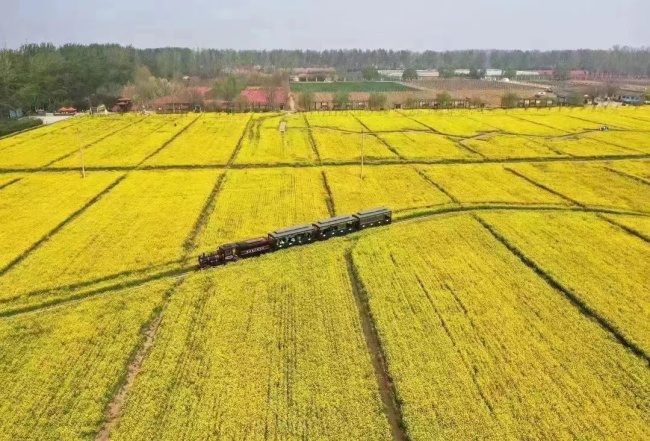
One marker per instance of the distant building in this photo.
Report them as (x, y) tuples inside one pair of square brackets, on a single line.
[(254, 99)]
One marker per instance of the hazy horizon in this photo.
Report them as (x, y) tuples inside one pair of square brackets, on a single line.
[(273, 24)]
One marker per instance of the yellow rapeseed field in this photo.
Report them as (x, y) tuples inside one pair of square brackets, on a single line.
[(480, 347), (143, 222), (39, 202), (516, 308), (58, 368), (397, 187), (37, 151), (590, 184), (263, 353), (254, 202), (211, 140), (488, 184), (602, 264), (263, 143)]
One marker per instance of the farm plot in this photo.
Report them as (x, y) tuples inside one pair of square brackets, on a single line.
[(604, 266), (338, 120), (633, 142), (34, 206), (388, 121), (487, 184), (451, 123), (398, 187), (589, 184), (612, 118), (133, 145), (247, 353), (140, 224), (31, 135), (264, 144), (556, 119), (479, 346), (639, 169), (426, 146), (512, 124), (59, 367), (39, 151), (254, 202), (505, 147), (638, 224), (586, 146), (335, 146), (211, 140)]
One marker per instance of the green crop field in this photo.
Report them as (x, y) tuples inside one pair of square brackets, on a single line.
[(359, 86)]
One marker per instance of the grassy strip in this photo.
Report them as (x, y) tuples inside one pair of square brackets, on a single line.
[(190, 243), (329, 198), (544, 187), (436, 185), (625, 228), (574, 298), (638, 179), (312, 141)]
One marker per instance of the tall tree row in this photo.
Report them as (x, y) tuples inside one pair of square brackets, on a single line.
[(44, 76)]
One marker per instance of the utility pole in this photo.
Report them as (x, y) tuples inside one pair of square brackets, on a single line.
[(81, 154), (363, 137)]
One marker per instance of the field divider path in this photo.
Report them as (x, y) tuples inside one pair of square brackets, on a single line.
[(625, 228), (518, 118), (378, 138), (385, 383), (329, 198), (575, 299), (312, 140), (543, 187)]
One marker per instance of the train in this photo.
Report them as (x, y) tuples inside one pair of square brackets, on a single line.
[(296, 236)]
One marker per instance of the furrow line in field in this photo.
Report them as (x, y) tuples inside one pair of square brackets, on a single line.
[(436, 185), (635, 178), (537, 123), (385, 384), (201, 221), (61, 225), (625, 228), (381, 140), (329, 198), (543, 187), (433, 129), (169, 141), (7, 184), (114, 132), (575, 299), (312, 141), (240, 142)]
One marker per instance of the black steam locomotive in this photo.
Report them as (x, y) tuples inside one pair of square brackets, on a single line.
[(294, 236)]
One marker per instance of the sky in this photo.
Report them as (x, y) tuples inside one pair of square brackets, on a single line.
[(416, 25)]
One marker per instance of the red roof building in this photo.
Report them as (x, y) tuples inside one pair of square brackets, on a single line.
[(259, 98)]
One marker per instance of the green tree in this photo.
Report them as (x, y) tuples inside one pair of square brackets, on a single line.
[(446, 72), (561, 73), (370, 73), (229, 87), (306, 100), (341, 100), (444, 99), (409, 74), (377, 101), (509, 100), (510, 74), (476, 74)]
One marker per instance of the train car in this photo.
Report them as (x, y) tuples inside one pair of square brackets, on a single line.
[(335, 226), (234, 251), (373, 218), (292, 236)]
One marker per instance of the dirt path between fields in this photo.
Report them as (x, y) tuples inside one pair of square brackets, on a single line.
[(387, 390)]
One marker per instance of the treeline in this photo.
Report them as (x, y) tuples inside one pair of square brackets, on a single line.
[(45, 76)]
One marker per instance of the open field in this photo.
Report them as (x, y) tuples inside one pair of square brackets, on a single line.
[(509, 300), (350, 86)]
